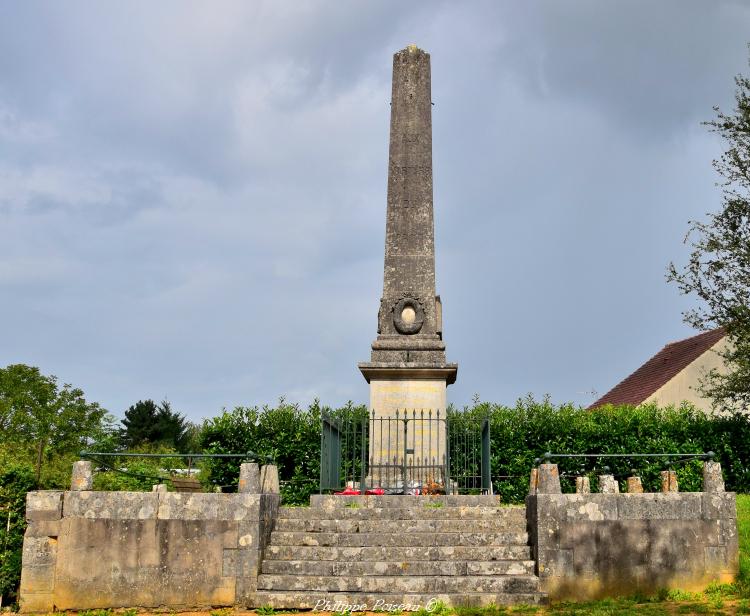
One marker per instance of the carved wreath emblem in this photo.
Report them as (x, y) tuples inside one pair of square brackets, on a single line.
[(408, 315)]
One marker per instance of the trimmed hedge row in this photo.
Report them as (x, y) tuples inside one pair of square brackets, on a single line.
[(519, 434)]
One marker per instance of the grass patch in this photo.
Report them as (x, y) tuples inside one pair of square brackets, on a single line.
[(743, 532)]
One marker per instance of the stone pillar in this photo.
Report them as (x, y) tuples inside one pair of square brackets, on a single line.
[(608, 484), (533, 480), (713, 480), (548, 481), (635, 485), (583, 485), (82, 478), (43, 514), (249, 478), (269, 479), (669, 481)]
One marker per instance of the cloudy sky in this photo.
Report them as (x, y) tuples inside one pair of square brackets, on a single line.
[(192, 194)]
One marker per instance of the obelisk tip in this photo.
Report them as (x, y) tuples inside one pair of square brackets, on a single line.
[(412, 47)]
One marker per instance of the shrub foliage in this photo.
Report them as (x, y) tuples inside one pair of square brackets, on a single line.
[(290, 435)]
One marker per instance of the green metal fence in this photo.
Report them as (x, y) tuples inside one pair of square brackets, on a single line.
[(407, 452)]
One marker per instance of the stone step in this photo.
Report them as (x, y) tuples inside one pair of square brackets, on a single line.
[(401, 584), (341, 602), (401, 526), (403, 513), (329, 501), (414, 567), (374, 553), (397, 540)]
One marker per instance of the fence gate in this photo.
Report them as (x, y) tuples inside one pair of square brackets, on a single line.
[(406, 453)]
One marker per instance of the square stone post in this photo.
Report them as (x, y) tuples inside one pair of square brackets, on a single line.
[(608, 484), (82, 478), (713, 480), (669, 481), (249, 478), (548, 479), (583, 485), (635, 485)]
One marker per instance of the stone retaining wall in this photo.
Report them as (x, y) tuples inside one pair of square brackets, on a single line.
[(85, 549), (589, 546)]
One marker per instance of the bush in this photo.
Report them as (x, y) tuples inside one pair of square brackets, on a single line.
[(519, 434), (286, 434), (15, 480), (530, 428)]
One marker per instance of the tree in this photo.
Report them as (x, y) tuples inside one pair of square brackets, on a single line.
[(718, 271), (148, 423), (36, 413)]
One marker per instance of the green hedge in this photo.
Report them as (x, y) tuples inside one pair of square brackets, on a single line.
[(530, 428), (291, 436)]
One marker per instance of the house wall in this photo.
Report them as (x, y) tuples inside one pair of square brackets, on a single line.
[(683, 386)]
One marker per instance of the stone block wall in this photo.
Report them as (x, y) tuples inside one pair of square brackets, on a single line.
[(85, 549), (589, 546)]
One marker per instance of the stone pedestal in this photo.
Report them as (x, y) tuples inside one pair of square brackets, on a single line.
[(548, 479), (583, 485), (408, 424), (82, 477), (608, 484), (713, 480), (669, 481), (635, 485)]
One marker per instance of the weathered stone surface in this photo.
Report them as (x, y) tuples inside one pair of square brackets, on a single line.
[(428, 525), (634, 485), (111, 505), (269, 479), (401, 553), (669, 481), (414, 567), (409, 345), (447, 545), (44, 505), (583, 485), (330, 502), (82, 477), (608, 484), (124, 549), (208, 506), (397, 540), (398, 584), (719, 505), (590, 546), (658, 506), (417, 512), (533, 480), (393, 602), (249, 482), (38, 572), (713, 479), (159, 487), (548, 479), (147, 562)]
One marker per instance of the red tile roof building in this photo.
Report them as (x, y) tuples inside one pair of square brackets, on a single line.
[(696, 352)]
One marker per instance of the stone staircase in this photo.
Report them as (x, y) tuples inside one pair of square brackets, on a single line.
[(391, 550)]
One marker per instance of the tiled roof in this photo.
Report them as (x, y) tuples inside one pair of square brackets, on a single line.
[(660, 369)]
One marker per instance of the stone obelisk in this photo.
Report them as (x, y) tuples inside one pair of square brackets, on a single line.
[(408, 369)]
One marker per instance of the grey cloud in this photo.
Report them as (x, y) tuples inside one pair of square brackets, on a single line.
[(192, 195)]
